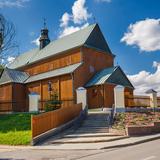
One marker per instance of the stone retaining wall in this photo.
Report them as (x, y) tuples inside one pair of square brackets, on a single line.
[(143, 130)]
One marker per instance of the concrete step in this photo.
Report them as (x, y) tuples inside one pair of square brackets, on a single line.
[(91, 131), (94, 123), (93, 127), (96, 119), (87, 139), (74, 135), (88, 126)]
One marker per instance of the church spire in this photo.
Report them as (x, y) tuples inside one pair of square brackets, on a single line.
[(44, 39)]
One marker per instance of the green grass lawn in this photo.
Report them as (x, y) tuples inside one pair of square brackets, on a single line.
[(15, 129)]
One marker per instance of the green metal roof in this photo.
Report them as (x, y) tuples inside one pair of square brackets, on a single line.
[(113, 75), (13, 76), (54, 73), (89, 36), (101, 77)]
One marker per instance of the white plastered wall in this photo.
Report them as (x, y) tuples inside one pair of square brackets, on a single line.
[(119, 99), (82, 96), (33, 102)]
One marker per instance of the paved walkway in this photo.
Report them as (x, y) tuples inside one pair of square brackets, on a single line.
[(101, 145), (146, 151)]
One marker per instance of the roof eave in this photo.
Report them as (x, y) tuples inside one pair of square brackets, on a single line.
[(54, 76), (43, 59)]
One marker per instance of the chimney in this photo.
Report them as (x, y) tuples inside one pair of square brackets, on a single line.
[(44, 39)]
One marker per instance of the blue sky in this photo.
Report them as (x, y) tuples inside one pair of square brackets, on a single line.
[(136, 52)]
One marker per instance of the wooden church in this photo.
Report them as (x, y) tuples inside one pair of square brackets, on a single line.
[(81, 59)]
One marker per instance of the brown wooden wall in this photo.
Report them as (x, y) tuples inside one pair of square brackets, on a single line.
[(5, 97), (19, 98), (6, 92), (55, 62), (109, 95), (62, 85), (129, 101), (12, 97), (95, 97), (103, 95), (91, 58), (100, 96)]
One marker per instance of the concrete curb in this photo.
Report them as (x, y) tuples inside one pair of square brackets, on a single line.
[(92, 141), (98, 148), (132, 143)]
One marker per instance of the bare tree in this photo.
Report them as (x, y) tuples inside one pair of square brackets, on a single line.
[(7, 35)]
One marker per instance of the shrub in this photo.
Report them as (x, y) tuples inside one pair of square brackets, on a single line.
[(53, 104)]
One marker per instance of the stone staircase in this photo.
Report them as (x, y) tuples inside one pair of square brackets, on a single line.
[(95, 123), (95, 128)]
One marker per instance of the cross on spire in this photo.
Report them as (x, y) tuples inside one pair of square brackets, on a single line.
[(44, 23)]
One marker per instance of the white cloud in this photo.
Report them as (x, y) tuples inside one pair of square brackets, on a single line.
[(146, 80), (36, 41), (156, 64), (144, 34), (99, 1), (71, 29), (2, 61), (12, 3), (65, 19), (79, 12), (10, 59), (78, 18)]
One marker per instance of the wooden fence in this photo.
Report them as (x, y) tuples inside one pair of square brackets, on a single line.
[(158, 101), (139, 101), (49, 120)]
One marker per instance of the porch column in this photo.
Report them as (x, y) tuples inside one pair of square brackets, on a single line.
[(119, 99), (153, 97), (34, 102), (82, 96)]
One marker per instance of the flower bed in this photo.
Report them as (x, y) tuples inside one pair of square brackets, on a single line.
[(135, 119)]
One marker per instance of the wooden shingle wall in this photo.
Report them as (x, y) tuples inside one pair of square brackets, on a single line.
[(55, 62), (94, 61), (62, 85)]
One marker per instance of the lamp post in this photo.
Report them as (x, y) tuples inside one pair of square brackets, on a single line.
[(50, 88)]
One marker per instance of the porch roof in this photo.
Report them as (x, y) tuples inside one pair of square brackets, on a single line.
[(12, 76), (54, 73), (100, 77), (113, 75)]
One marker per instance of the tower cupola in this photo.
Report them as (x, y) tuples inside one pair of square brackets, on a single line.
[(44, 39)]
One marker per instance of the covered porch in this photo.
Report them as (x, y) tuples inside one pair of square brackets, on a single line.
[(100, 89)]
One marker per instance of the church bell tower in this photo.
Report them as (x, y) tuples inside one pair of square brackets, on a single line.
[(44, 39)]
